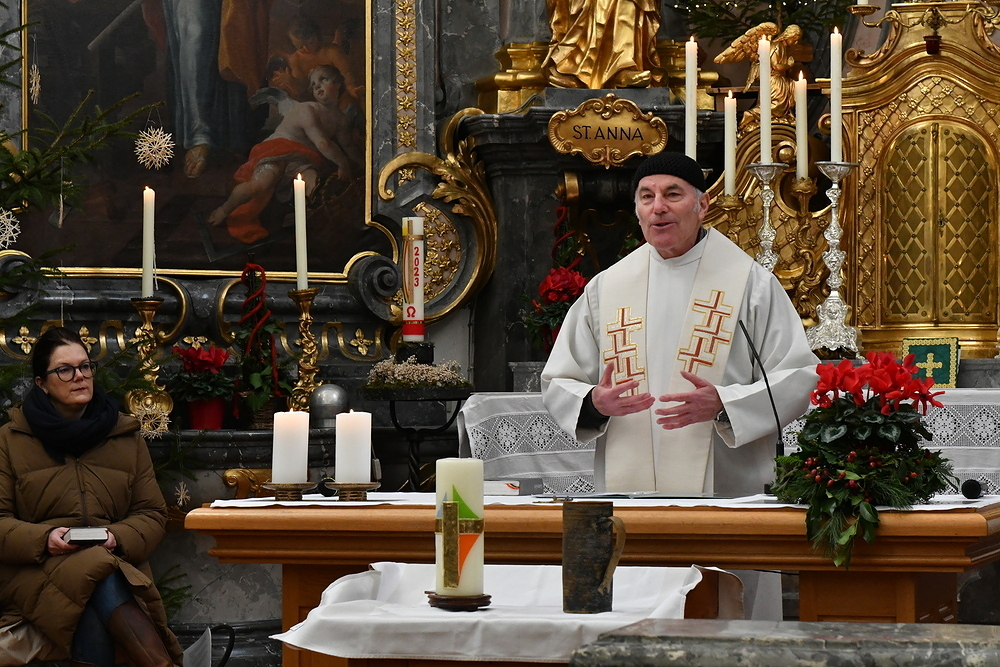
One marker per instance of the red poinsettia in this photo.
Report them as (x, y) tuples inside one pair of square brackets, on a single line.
[(883, 377), (204, 359), (562, 284)]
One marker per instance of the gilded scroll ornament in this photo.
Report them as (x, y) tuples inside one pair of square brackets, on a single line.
[(603, 44), (444, 250), (607, 131), (463, 184)]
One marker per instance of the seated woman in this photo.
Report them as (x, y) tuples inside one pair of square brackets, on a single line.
[(69, 459)]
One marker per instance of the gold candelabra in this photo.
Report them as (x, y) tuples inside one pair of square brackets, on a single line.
[(306, 383), (155, 402)]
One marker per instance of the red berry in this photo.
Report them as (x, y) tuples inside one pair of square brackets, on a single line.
[(831, 483), (842, 474), (818, 479)]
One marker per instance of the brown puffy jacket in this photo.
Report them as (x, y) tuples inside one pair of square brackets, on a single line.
[(110, 485)]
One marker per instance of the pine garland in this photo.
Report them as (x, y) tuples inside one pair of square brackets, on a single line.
[(729, 19)]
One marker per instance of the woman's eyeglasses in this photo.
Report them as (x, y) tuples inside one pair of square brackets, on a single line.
[(67, 373)]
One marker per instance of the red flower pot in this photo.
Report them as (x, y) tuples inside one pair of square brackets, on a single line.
[(207, 414)]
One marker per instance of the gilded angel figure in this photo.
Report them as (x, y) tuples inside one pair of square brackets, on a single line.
[(782, 61)]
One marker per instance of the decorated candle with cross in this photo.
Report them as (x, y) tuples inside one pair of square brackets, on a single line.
[(458, 539)]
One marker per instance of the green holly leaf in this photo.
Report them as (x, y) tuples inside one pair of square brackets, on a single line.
[(868, 513), (848, 534)]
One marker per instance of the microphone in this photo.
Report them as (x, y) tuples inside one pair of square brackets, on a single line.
[(779, 446), (972, 489)]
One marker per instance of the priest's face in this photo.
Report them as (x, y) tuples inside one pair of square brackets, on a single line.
[(670, 211)]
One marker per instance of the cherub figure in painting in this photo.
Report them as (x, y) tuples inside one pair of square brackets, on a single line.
[(309, 134), (311, 52)]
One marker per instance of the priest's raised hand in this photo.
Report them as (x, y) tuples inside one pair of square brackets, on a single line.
[(613, 400), (690, 407)]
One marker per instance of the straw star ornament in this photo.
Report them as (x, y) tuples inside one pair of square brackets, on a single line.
[(154, 148), (9, 229)]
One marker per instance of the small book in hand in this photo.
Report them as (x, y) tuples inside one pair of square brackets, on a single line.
[(86, 536)]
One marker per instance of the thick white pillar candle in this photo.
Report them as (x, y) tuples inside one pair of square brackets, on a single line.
[(353, 459), (461, 481), (764, 56), (148, 242), (729, 175), (836, 97), (413, 279), (691, 99), (301, 256), (290, 456), (801, 129)]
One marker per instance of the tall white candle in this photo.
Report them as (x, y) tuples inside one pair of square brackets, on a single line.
[(353, 459), (801, 129), (301, 256), (764, 57), (413, 279), (290, 455), (836, 97), (691, 99), (729, 175), (461, 481), (148, 242)]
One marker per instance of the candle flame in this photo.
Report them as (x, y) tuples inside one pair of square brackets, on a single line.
[(147, 188), (729, 94), (692, 38), (802, 76), (836, 30), (298, 177)]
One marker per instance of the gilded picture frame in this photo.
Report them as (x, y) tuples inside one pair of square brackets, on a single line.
[(252, 139)]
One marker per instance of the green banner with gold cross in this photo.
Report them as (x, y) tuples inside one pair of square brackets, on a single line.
[(936, 357)]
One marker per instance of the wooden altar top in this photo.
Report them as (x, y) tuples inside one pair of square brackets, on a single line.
[(756, 537)]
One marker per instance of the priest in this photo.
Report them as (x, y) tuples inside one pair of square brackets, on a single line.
[(663, 359)]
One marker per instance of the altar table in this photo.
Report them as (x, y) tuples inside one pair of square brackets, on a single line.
[(908, 575)]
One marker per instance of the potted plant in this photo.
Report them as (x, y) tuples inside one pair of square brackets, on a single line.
[(261, 382), (202, 383), (862, 446)]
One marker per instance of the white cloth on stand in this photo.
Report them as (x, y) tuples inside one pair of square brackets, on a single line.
[(384, 613), (517, 439)]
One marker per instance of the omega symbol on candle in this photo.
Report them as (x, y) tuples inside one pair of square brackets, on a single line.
[(411, 311)]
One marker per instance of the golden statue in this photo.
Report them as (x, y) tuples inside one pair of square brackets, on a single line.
[(602, 43), (782, 61)]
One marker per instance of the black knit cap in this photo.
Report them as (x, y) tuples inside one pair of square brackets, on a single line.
[(671, 164)]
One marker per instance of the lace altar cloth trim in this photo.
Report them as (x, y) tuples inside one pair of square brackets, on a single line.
[(517, 439), (966, 430)]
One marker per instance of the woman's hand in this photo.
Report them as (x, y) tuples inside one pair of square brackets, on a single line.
[(111, 543), (57, 545)]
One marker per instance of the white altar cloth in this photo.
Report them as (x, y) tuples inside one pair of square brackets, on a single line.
[(384, 613)]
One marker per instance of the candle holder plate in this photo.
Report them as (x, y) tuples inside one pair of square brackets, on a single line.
[(458, 602), (289, 491), (352, 492)]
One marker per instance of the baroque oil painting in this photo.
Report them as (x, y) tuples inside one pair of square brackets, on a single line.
[(252, 92)]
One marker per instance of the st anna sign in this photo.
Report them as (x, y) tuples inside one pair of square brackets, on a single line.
[(607, 131)]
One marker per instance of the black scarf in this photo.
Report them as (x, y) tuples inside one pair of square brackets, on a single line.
[(62, 436)]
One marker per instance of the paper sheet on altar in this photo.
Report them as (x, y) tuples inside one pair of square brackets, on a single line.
[(383, 613)]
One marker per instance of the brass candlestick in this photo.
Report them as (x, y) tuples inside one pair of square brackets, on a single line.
[(306, 383), (803, 190), (152, 405), (732, 205)]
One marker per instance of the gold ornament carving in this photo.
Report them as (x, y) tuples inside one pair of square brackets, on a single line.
[(406, 80), (607, 131), (463, 184), (152, 407), (443, 249)]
